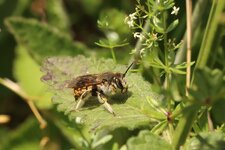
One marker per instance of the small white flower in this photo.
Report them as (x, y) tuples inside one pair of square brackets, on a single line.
[(154, 35), (130, 23), (139, 35), (133, 16), (175, 10), (78, 120), (130, 20), (142, 52)]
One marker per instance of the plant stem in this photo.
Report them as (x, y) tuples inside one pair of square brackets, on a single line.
[(185, 125), (113, 54), (210, 123), (17, 89), (199, 10), (189, 34), (190, 112), (164, 17), (212, 24)]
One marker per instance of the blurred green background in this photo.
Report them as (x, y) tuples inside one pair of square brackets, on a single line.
[(74, 20), (34, 29)]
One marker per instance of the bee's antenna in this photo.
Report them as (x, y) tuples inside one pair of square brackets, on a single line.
[(128, 69)]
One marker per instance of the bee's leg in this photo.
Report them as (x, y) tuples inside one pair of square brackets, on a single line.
[(103, 100), (82, 99)]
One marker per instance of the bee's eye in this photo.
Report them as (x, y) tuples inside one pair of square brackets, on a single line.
[(119, 84)]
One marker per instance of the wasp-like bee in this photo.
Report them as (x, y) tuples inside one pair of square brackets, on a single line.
[(100, 85)]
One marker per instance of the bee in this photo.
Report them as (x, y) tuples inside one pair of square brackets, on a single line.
[(100, 85)]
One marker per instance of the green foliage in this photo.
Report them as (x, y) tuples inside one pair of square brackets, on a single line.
[(48, 41), (146, 140), (56, 15), (19, 140), (114, 30), (27, 73), (207, 141), (107, 22), (208, 85), (56, 36), (29, 135), (218, 110), (132, 110)]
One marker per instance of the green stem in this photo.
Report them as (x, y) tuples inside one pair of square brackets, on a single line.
[(212, 25), (199, 10), (164, 17), (113, 54), (189, 113), (185, 125)]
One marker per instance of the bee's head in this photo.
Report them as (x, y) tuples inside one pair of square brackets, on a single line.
[(120, 81)]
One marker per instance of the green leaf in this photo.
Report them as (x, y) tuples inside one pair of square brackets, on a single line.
[(28, 136), (57, 15), (107, 44), (101, 141), (177, 71), (146, 140), (184, 125), (42, 40), (158, 25), (108, 22), (218, 111), (213, 23), (132, 109), (157, 129), (17, 140), (208, 85), (183, 65), (206, 141), (172, 25), (27, 73)]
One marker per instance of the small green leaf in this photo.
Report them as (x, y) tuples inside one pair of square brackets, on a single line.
[(177, 71), (158, 25), (206, 141), (183, 65), (132, 109), (27, 73), (146, 140), (102, 141), (157, 129), (42, 40), (107, 44), (172, 25)]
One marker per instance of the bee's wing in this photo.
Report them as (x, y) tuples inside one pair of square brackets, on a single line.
[(83, 81)]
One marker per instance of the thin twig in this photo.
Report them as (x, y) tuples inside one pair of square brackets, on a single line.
[(189, 13), (17, 89), (210, 123)]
